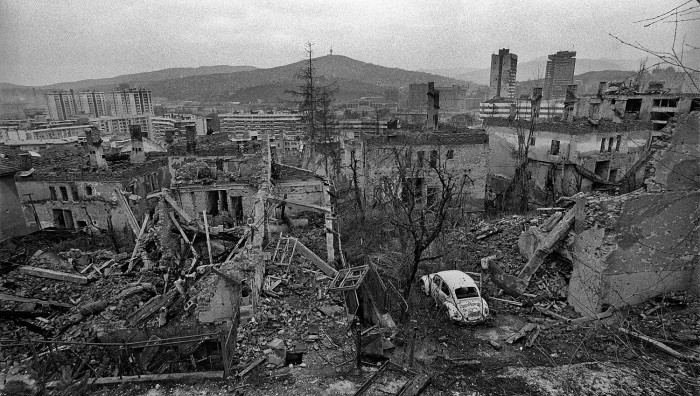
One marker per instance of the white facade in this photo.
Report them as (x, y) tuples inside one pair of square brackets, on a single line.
[(60, 105), (131, 102), (92, 103), (119, 125), (250, 126)]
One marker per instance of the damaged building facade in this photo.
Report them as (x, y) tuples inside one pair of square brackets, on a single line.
[(72, 189), (565, 158), (463, 155), (644, 243)]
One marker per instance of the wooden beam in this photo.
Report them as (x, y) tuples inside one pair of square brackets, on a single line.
[(660, 345), (152, 306), (51, 274), (177, 207), (253, 365), (137, 245), (206, 230), (182, 233), (9, 297), (306, 252), (546, 246), (416, 386), (197, 375), (129, 213), (316, 208)]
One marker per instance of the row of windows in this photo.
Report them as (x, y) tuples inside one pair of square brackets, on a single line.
[(613, 140), (64, 193)]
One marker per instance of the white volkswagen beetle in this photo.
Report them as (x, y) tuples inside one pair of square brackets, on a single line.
[(458, 294)]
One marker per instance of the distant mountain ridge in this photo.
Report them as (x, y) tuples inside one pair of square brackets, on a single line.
[(354, 78), (157, 75)]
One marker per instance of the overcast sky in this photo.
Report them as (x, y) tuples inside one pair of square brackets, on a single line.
[(49, 41)]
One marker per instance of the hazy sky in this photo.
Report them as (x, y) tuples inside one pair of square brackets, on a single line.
[(48, 41)]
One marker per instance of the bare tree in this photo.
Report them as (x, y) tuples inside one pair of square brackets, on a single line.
[(674, 55), (518, 192), (418, 199)]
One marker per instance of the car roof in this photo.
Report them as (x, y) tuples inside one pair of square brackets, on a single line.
[(455, 279)]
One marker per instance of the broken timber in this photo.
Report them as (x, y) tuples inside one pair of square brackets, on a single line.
[(200, 375), (306, 252), (660, 345), (129, 213), (9, 297), (546, 247), (152, 306), (51, 274), (317, 208)]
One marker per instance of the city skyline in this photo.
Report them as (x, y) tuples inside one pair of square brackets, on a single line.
[(42, 46)]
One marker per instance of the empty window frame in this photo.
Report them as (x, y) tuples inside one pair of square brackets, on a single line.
[(52, 193), (450, 154), (618, 141), (64, 193), (554, 149)]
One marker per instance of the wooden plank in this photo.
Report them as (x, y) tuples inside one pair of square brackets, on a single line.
[(317, 208), (9, 297), (51, 274), (306, 252), (330, 249), (660, 345), (182, 233), (416, 386), (206, 231), (129, 213), (177, 207), (546, 246), (253, 365), (137, 245), (152, 306), (197, 375)]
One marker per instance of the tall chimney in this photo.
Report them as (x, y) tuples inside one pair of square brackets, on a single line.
[(569, 103), (535, 102), (93, 145), (601, 88), (433, 107), (191, 133), (137, 156)]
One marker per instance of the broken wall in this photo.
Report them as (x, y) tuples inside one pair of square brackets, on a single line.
[(97, 208), (677, 167), (469, 161), (650, 249), (12, 220)]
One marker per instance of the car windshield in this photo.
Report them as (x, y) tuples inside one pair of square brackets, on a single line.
[(466, 292)]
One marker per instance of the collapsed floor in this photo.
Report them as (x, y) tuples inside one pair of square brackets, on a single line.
[(301, 339)]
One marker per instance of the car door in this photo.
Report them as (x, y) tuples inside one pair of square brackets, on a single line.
[(435, 285), (442, 292)]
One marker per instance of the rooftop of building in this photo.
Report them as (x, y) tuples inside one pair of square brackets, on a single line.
[(454, 136), (218, 144), (72, 163), (579, 126)]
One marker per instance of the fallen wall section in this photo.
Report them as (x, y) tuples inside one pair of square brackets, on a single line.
[(650, 249)]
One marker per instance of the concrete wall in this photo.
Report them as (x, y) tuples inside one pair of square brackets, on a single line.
[(195, 198), (308, 191), (650, 250), (678, 168), (91, 202), (12, 221), (92, 209)]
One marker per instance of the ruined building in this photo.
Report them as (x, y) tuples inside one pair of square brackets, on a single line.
[(11, 220), (464, 155), (644, 243), (504, 66), (76, 188)]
